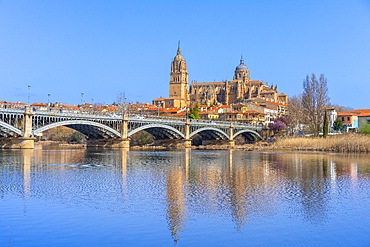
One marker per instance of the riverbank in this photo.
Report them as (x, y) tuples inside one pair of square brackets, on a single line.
[(61, 145), (346, 143)]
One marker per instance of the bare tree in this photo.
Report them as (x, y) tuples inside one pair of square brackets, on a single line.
[(314, 101), (296, 117), (121, 102)]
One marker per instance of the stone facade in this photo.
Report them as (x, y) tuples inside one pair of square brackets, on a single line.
[(239, 89), (179, 81)]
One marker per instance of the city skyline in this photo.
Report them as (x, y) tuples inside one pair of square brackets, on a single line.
[(91, 51)]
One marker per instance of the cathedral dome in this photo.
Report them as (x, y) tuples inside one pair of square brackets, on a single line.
[(241, 66)]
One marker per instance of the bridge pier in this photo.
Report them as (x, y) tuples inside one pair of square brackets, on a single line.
[(17, 143), (231, 136), (25, 142), (187, 140), (28, 123), (231, 143), (121, 143), (187, 143)]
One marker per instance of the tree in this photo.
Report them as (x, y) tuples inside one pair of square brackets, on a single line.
[(338, 125), (325, 129), (141, 138), (278, 126), (365, 128), (194, 112), (314, 101), (121, 103), (296, 117)]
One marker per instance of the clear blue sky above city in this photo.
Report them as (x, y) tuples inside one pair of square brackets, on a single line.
[(102, 48)]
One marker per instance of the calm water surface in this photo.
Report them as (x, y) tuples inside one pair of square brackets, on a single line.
[(183, 198)]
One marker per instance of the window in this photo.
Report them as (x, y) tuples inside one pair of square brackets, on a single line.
[(342, 119), (348, 118)]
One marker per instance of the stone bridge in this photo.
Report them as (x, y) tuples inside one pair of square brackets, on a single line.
[(19, 127)]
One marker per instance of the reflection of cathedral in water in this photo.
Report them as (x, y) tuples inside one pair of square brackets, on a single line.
[(176, 179), (229, 183)]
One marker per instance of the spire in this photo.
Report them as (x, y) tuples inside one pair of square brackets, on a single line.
[(241, 59), (178, 48)]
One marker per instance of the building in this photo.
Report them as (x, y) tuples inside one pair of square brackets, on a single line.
[(179, 85), (238, 90), (349, 120), (332, 116), (363, 116)]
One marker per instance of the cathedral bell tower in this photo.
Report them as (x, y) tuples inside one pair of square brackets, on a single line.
[(179, 86), (241, 76), (241, 71)]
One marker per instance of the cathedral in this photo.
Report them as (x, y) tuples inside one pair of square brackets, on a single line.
[(238, 90)]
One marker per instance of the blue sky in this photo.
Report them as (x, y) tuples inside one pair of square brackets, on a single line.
[(102, 48)]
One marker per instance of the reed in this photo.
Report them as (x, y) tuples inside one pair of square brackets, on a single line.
[(346, 143)]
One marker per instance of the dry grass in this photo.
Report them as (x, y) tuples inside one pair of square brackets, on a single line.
[(348, 143)]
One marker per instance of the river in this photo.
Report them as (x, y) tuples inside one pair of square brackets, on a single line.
[(185, 198)]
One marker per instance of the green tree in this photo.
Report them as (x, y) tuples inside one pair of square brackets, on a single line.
[(194, 112), (325, 129), (338, 125), (365, 128)]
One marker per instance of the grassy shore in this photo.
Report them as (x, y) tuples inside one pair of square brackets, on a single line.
[(347, 143)]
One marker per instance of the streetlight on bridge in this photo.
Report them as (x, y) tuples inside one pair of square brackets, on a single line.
[(82, 97), (29, 93), (49, 101), (158, 104)]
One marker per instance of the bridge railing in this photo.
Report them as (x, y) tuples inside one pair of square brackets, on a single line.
[(12, 110), (132, 117)]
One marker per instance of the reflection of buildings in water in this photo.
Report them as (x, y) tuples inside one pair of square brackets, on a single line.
[(311, 179), (308, 177), (238, 189), (353, 173), (253, 186), (26, 161), (175, 179), (70, 156), (332, 173), (232, 183)]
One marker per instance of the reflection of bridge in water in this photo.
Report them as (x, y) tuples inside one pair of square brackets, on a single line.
[(195, 182), (19, 127)]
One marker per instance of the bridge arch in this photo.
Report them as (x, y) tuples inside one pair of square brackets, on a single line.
[(249, 134), (11, 128), (168, 130), (218, 132), (78, 125)]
